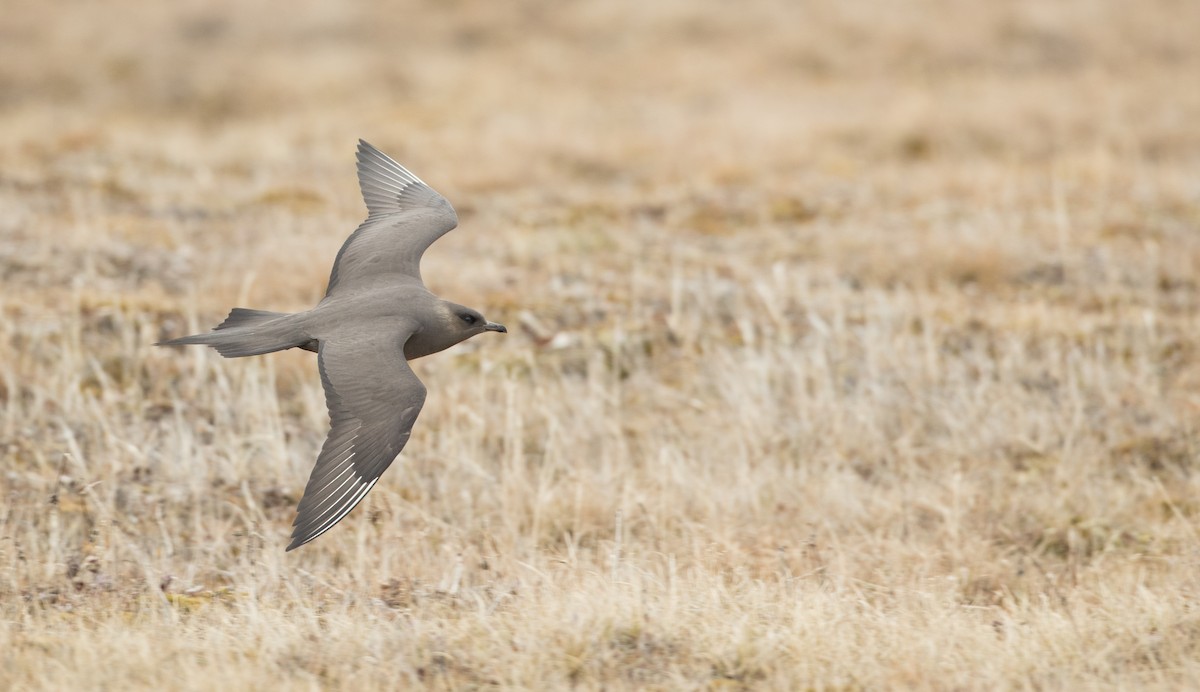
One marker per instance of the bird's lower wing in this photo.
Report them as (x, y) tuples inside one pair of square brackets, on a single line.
[(373, 398)]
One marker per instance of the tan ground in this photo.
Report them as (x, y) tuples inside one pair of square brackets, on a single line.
[(853, 345)]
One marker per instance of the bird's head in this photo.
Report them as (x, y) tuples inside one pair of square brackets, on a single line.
[(454, 325), (468, 322)]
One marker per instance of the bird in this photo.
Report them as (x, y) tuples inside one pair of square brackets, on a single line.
[(376, 316)]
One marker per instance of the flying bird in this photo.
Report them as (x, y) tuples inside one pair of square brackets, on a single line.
[(375, 317)]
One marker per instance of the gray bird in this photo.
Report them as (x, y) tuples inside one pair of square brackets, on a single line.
[(375, 317)]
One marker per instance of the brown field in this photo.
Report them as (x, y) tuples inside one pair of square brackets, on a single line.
[(852, 345)]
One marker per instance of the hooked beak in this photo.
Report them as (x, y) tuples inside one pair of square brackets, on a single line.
[(495, 327)]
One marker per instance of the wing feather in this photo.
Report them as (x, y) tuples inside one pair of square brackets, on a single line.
[(373, 398), (404, 217)]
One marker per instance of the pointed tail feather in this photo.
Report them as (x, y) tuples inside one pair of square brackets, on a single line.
[(249, 333)]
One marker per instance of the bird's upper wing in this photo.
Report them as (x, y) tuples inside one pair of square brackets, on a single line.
[(404, 217), (373, 398)]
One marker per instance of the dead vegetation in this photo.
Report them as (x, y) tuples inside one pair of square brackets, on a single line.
[(851, 347)]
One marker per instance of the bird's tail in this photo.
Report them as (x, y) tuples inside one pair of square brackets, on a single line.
[(249, 333)]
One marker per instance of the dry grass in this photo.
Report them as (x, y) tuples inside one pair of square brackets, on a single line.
[(852, 347)]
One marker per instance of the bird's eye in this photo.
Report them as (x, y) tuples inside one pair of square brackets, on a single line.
[(468, 318)]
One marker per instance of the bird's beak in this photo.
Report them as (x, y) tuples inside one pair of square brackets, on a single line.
[(495, 327)]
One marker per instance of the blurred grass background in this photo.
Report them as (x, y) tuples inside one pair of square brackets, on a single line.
[(852, 345)]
